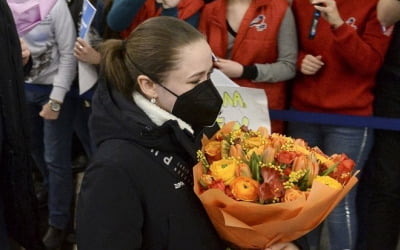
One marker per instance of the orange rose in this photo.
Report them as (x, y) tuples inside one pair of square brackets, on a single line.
[(343, 171), (286, 157), (224, 170), (213, 150), (293, 194), (244, 188)]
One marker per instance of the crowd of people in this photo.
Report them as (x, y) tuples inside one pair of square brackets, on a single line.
[(154, 99)]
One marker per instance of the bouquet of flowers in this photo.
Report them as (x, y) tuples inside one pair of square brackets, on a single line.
[(260, 189)]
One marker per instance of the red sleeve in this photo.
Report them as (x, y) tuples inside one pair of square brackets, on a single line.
[(363, 52)]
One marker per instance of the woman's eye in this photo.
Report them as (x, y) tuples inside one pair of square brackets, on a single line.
[(196, 81)]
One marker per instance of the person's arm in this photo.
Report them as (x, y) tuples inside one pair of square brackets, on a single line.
[(285, 66), (388, 12), (122, 13), (109, 214), (65, 35), (84, 52), (363, 52)]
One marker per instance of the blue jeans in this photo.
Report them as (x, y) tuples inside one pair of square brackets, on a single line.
[(356, 143), (53, 139), (34, 106)]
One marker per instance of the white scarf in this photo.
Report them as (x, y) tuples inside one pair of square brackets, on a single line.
[(158, 115)]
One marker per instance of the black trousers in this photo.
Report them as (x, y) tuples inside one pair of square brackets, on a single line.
[(381, 189)]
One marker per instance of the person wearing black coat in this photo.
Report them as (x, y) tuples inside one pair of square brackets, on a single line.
[(129, 198), (18, 206), (148, 117)]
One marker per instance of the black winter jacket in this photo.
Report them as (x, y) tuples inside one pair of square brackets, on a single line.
[(128, 199), (16, 184)]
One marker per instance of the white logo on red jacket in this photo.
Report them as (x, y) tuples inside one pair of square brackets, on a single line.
[(352, 22), (259, 23)]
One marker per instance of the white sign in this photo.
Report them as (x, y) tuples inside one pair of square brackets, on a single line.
[(246, 106), (87, 73)]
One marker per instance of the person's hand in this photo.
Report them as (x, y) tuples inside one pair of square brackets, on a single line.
[(167, 4), (311, 64), (85, 53), (283, 246), (329, 11), (230, 68), (26, 53), (47, 113)]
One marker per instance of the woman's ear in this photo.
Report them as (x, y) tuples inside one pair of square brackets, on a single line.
[(147, 86)]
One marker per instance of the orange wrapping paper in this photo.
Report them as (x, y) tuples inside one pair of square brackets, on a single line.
[(252, 225)]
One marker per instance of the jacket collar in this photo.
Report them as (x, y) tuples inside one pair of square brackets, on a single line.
[(158, 115)]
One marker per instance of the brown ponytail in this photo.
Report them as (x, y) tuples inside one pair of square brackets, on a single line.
[(152, 49), (113, 65)]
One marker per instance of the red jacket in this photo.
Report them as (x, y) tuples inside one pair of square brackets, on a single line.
[(352, 54), (256, 40), (186, 9)]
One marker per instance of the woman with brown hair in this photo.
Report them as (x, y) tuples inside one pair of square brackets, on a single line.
[(149, 112)]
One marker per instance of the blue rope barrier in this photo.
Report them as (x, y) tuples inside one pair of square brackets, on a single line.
[(335, 119)]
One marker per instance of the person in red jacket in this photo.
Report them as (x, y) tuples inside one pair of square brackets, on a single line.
[(256, 44), (337, 75), (188, 10)]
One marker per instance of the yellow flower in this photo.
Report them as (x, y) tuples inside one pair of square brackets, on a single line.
[(244, 188), (224, 170), (256, 150), (254, 142), (329, 181)]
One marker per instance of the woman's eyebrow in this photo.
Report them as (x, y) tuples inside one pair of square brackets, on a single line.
[(200, 73)]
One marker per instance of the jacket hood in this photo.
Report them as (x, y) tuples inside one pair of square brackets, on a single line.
[(135, 119)]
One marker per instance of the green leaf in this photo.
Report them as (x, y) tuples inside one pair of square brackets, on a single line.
[(304, 180), (225, 148), (330, 169), (255, 166)]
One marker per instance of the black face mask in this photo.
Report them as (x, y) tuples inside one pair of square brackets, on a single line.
[(199, 106)]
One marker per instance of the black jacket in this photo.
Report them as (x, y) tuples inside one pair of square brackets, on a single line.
[(16, 185), (128, 199)]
